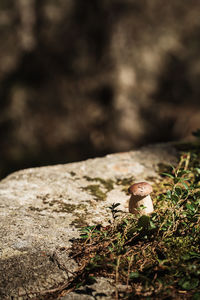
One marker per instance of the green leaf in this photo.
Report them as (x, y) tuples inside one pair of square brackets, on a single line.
[(178, 191), (152, 225), (169, 194), (174, 198), (185, 185), (84, 236), (186, 257), (119, 235), (188, 283), (114, 205), (194, 254), (91, 280), (168, 184), (126, 221), (168, 175), (79, 284), (197, 170), (134, 275), (144, 221), (196, 296), (177, 179), (87, 229), (190, 207), (182, 172)]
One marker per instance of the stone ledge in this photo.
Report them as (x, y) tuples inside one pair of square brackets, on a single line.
[(43, 208)]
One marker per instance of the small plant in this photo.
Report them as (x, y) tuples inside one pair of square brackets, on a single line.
[(114, 211), (155, 256)]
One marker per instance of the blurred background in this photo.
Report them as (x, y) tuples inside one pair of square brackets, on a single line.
[(84, 78)]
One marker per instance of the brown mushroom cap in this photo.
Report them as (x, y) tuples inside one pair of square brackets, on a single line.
[(140, 189)]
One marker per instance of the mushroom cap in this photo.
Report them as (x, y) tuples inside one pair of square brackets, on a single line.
[(140, 189)]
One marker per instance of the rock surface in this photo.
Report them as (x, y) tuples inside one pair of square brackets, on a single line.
[(43, 208)]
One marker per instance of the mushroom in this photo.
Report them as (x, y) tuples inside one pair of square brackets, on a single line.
[(140, 196)]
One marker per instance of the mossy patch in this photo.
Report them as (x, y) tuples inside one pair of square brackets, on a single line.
[(36, 208), (58, 205), (80, 219), (68, 207), (125, 183), (63, 207), (107, 184), (99, 191), (72, 173), (95, 190)]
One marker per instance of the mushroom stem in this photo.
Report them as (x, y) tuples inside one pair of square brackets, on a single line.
[(136, 202)]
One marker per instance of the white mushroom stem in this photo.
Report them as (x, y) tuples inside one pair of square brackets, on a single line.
[(136, 202)]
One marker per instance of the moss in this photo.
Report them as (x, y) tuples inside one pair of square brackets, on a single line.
[(80, 220), (178, 247), (125, 183), (59, 205), (107, 184), (36, 208), (64, 207), (72, 173), (95, 190), (91, 203), (70, 208)]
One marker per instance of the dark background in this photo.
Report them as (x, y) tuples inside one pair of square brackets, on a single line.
[(83, 78)]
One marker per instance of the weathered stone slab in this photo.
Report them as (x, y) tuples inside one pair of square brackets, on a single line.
[(102, 289), (41, 209)]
